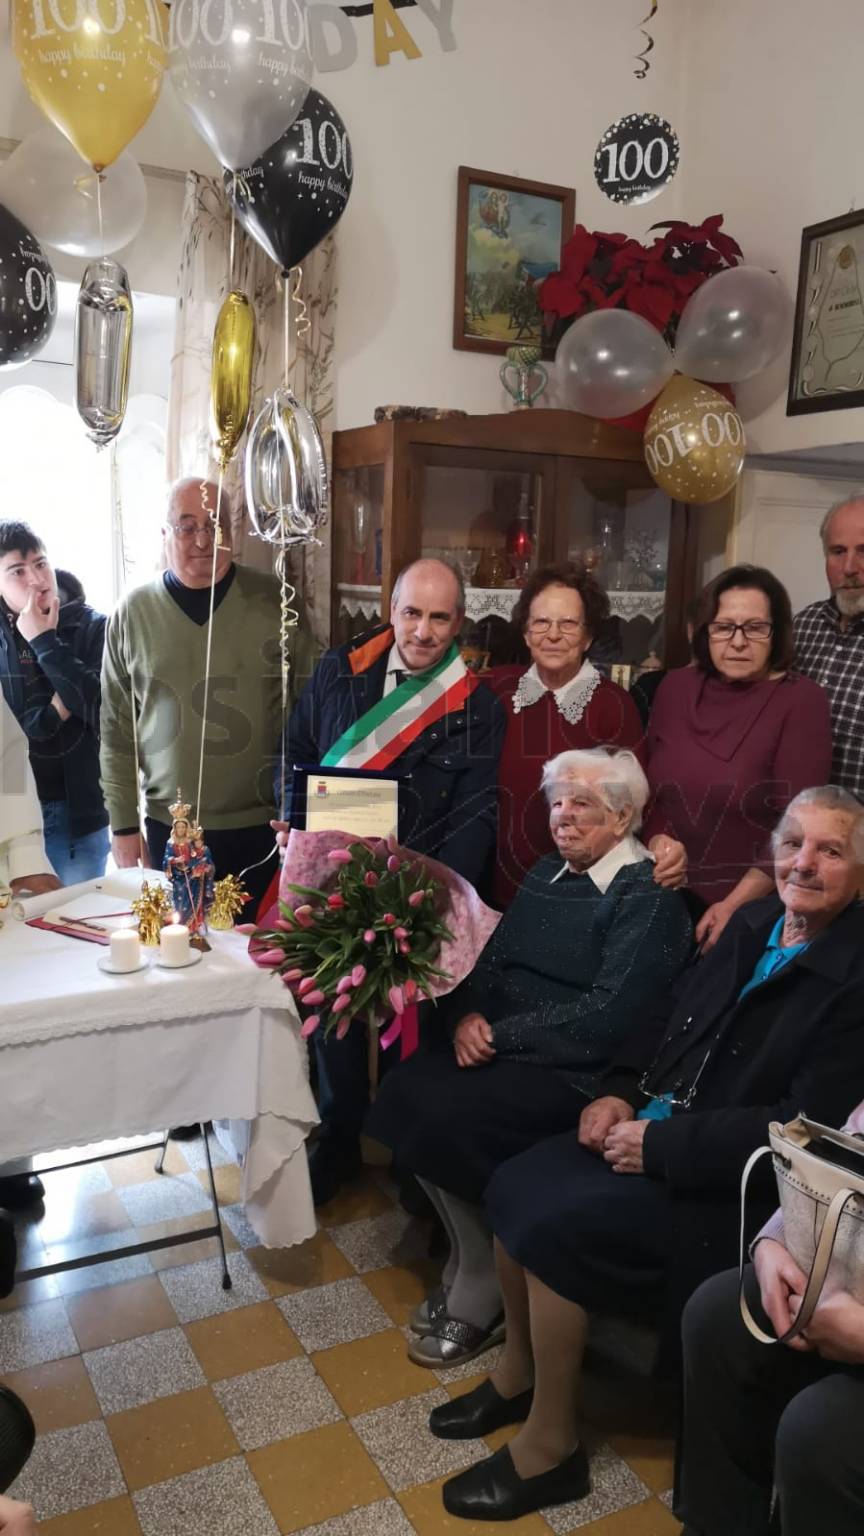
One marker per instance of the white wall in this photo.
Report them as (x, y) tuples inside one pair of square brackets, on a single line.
[(772, 139), (530, 89), (779, 516)]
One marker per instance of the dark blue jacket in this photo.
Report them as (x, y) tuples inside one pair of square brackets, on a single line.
[(71, 659), (449, 806)]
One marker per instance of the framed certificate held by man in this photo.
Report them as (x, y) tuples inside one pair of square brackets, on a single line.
[(352, 800)]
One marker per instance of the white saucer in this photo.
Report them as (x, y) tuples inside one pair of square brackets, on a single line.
[(194, 956), (104, 964)]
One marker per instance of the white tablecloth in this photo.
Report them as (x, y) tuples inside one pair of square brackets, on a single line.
[(86, 1057)]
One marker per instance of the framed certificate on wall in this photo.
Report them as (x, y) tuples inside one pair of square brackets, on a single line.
[(827, 372)]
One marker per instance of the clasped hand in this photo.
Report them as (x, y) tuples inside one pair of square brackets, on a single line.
[(608, 1127), (836, 1329), (472, 1041)]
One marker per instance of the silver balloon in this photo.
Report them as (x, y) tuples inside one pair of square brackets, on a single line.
[(103, 348), (612, 363), (287, 484), (53, 191), (242, 70), (733, 326)]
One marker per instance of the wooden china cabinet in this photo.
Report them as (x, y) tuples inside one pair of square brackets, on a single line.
[(498, 496)]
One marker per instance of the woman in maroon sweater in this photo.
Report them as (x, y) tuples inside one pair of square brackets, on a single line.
[(732, 740), (560, 703)]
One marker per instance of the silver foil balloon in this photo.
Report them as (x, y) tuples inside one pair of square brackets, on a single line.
[(287, 484), (103, 348)]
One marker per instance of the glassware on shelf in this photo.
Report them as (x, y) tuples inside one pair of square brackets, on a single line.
[(467, 561), (492, 569), (361, 526), (520, 543)]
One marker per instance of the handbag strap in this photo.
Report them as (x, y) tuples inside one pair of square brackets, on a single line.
[(818, 1269)]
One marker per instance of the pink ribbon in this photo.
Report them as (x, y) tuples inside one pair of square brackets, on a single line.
[(392, 1032)]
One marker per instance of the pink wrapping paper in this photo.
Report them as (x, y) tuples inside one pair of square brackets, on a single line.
[(470, 921)]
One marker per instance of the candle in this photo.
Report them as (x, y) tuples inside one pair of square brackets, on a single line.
[(174, 943), (125, 949)]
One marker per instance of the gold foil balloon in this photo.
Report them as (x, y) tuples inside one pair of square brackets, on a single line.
[(694, 442), (103, 348), (94, 67), (231, 374)]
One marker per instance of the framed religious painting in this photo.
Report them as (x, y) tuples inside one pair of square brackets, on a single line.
[(510, 234), (827, 372)]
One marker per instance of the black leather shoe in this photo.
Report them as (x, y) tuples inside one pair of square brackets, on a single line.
[(21, 1192), (478, 1413), (493, 1490)]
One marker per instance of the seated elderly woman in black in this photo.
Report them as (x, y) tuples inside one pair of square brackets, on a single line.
[(589, 941), (635, 1210)]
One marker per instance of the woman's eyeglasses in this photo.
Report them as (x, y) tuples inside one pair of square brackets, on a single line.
[(568, 627), (752, 629)]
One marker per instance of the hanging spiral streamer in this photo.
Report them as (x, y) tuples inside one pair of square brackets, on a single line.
[(302, 319), (642, 62)]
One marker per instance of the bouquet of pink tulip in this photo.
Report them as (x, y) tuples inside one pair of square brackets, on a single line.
[(367, 948)]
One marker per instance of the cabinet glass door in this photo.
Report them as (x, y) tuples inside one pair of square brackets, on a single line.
[(489, 514), (358, 504), (619, 527)]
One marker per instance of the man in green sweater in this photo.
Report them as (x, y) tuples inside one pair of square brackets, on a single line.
[(155, 662)]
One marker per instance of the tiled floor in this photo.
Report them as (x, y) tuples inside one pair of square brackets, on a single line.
[(168, 1407)]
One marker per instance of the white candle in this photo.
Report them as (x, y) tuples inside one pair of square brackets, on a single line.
[(174, 943), (125, 949)]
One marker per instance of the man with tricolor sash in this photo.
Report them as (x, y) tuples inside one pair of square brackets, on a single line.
[(401, 698)]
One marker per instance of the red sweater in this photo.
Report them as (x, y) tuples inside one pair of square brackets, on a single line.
[(725, 759), (537, 733)]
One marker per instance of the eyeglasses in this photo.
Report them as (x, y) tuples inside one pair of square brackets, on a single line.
[(187, 528), (752, 629), (568, 627)]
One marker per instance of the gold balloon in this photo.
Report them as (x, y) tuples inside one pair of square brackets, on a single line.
[(94, 67), (231, 374), (694, 442)]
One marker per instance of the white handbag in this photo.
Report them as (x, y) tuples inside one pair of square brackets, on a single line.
[(820, 1177)]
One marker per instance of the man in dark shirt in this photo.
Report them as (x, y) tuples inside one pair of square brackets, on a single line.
[(50, 661), (829, 639)]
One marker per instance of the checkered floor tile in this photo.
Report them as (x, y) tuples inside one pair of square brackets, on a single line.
[(166, 1406)]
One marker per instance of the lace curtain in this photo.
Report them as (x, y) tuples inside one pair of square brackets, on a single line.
[(202, 285)]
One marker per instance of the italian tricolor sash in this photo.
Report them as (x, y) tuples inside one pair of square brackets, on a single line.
[(383, 733)]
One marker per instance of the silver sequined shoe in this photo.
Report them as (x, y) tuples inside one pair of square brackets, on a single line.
[(424, 1317), (451, 1342)]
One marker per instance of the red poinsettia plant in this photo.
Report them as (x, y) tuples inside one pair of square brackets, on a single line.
[(603, 271)]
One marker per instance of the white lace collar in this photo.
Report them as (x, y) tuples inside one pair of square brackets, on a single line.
[(572, 700)]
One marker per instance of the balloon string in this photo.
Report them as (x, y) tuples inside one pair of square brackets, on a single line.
[(100, 177), (286, 324), (303, 323), (288, 620), (216, 543), (642, 58), (120, 535), (231, 239)]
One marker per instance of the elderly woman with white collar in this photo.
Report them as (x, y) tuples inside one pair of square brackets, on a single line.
[(561, 703), (590, 940)]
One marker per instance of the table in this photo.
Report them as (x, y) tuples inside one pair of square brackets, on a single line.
[(87, 1057)]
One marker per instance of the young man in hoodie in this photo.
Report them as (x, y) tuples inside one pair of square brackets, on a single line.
[(51, 644)]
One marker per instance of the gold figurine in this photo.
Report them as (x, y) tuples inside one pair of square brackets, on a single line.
[(153, 910), (229, 899)]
